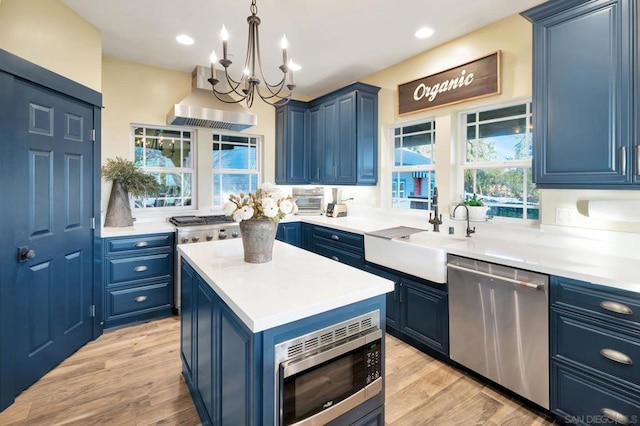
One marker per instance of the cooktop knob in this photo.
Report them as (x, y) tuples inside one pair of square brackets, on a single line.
[(195, 238), (184, 240), (222, 234), (209, 237), (235, 234)]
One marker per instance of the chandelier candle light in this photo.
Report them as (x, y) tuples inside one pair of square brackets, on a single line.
[(249, 81)]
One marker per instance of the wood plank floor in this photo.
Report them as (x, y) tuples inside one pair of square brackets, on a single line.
[(132, 376)]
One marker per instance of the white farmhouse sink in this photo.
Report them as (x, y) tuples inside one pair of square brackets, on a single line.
[(421, 254)]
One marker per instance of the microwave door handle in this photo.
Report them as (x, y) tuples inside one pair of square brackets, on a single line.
[(289, 368), (496, 277)]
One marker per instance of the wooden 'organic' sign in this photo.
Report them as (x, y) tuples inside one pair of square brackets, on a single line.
[(472, 80)]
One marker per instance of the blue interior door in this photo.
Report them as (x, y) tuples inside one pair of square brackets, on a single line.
[(52, 232)]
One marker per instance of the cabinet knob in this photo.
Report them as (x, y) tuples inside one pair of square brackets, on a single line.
[(335, 237), (616, 416), (140, 268), (140, 299), (140, 244), (616, 307), (335, 258)]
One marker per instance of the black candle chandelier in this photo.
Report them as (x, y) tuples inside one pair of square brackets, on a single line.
[(248, 85)]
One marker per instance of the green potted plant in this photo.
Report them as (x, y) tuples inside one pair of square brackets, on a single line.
[(477, 209), (127, 180)]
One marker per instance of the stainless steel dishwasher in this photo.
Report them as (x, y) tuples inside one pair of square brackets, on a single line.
[(499, 325)]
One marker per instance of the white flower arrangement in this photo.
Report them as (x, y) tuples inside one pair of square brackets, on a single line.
[(267, 202)]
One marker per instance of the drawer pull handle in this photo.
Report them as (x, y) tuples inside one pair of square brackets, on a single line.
[(335, 258), (616, 307), (140, 244), (140, 268), (616, 356), (615, 416), (335, 237), (140, 299)]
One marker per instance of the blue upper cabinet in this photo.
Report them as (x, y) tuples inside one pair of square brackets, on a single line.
[(346, 143), (341, 143), (292, 144), (583, 61)]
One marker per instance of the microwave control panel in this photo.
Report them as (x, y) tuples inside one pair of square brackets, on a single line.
[(373, 360)]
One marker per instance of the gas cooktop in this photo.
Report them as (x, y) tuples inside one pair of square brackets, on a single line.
[(181, 221)]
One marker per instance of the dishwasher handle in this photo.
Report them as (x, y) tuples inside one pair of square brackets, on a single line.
[(486, 274)]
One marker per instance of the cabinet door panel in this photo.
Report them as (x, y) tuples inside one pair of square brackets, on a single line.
[(582, 96), (206, 317), (581, 400), (344, 156), (186, 316), (424, 315), (329, 140), (316, 145), (393, 300)]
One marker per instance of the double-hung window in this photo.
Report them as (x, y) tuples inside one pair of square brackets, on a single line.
[(413, 175), (496, 162), (236, 165), (167, 155)]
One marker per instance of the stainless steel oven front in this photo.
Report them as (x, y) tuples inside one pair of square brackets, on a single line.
[(324, 374)]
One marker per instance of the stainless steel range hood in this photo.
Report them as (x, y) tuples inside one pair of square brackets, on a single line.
[(201, 108)]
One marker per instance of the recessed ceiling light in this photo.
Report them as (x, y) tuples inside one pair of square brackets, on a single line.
[(424, 32), (184, 39)]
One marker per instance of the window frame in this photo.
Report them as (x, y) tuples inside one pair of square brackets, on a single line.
[(258, 171), (181, 170), (430, 168), (525, 164)]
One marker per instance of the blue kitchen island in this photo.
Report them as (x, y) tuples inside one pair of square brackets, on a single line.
[(237, 317)]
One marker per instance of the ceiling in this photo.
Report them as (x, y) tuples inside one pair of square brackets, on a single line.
[(336, 42)]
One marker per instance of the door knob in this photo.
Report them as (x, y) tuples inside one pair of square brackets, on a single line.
[(25, 254)]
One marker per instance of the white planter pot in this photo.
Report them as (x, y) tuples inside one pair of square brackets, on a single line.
[(477, 213)]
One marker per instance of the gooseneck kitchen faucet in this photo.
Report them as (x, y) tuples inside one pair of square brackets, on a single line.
[(469, 230), (435, 221)]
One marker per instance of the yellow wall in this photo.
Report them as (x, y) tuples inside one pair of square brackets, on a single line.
[(50, 34), (143, 94), (513, 37)]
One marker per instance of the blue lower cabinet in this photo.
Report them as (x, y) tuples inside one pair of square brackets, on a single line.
[(231, 371), (595, 349), (290, 233), (341, 246), (580, 398), (393, 298), (417, 310), (138, 278), (424, 314)]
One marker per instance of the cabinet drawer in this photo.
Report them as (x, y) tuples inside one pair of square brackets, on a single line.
[(607, 303), (598, 346), (347, 238), (580, 399), (139, 242), (138, 299), (139, 267), (349, 258)]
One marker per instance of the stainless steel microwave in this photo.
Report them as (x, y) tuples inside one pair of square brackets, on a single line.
[(333, 376)]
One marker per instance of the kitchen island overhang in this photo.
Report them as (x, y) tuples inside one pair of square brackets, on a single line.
[(238, 312)]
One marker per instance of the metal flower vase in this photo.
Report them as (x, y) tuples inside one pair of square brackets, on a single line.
[(118, 209), (257, 239)]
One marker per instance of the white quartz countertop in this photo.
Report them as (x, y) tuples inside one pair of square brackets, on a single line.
[(296, 284), (138, 229), (600, 257)]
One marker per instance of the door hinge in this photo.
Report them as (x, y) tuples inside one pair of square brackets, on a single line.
[(92, 311), (93, 223), (93, 135)]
